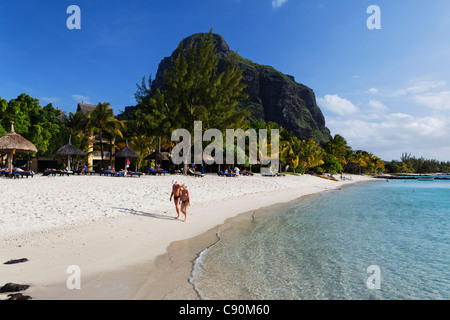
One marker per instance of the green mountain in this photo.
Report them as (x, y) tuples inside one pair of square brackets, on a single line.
[(273, 96)]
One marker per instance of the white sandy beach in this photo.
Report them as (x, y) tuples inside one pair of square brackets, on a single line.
[(114, 229)]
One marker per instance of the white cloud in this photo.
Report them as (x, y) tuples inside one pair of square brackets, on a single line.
[(278, 3), (396, 133), (419, 86), (377, 105), (413, 118), (338, 105), (49, 99), (80, 98), (373, 90), (437, 101)]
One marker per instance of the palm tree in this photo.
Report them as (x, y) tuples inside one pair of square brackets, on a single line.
[(307, 154), (143, 145), (375, 164), (361, 159), (338, 147), (311, 155), (290, 152), (76, 126), (101, 120), (114, 129)]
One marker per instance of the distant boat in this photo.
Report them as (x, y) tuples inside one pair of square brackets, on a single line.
[(425, 178)]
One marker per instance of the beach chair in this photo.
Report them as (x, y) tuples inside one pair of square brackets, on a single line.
[(27, 174), (195, 174), (8, 174), (268, 174), (156, 172), (50, 172), (134, 174), (223, 174)]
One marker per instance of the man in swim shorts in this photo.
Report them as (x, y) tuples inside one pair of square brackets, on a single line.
[(176, 194)]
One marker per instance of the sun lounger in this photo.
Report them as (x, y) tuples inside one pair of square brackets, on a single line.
[(223, 174), (8, 174), (110, 173), (79, 172), (54, 172), (134, 174), (156, 172), (27, 174), (195, 173), (50, 172)]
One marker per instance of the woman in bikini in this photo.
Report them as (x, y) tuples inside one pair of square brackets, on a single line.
[(185, 200)]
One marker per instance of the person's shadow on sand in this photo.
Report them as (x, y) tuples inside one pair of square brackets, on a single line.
[(144, 214)]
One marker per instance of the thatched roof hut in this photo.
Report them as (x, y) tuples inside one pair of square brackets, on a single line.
[(157, 156), (85, 108), (13, 143), (69, 150), (126, 152)]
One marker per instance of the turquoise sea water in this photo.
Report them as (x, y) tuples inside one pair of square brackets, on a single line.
[(321, 247)]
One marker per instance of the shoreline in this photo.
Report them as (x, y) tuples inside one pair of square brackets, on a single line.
[(182, 255), (127, 256)]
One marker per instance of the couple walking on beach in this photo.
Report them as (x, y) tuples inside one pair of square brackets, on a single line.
[(180, 194)]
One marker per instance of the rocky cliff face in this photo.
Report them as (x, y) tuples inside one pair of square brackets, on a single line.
[(273, 96)]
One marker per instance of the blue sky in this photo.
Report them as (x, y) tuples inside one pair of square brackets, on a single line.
[(386, 91)]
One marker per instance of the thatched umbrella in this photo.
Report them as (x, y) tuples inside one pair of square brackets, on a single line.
[(13, 143), (69, 150), (157, 156), (126, 152)]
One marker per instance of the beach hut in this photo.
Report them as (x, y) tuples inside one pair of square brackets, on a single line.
[(13, 143), (157, 156), (127, 153), (69, 150)]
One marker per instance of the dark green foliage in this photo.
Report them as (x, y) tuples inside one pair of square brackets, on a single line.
[(331, 164), (37, 124)]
